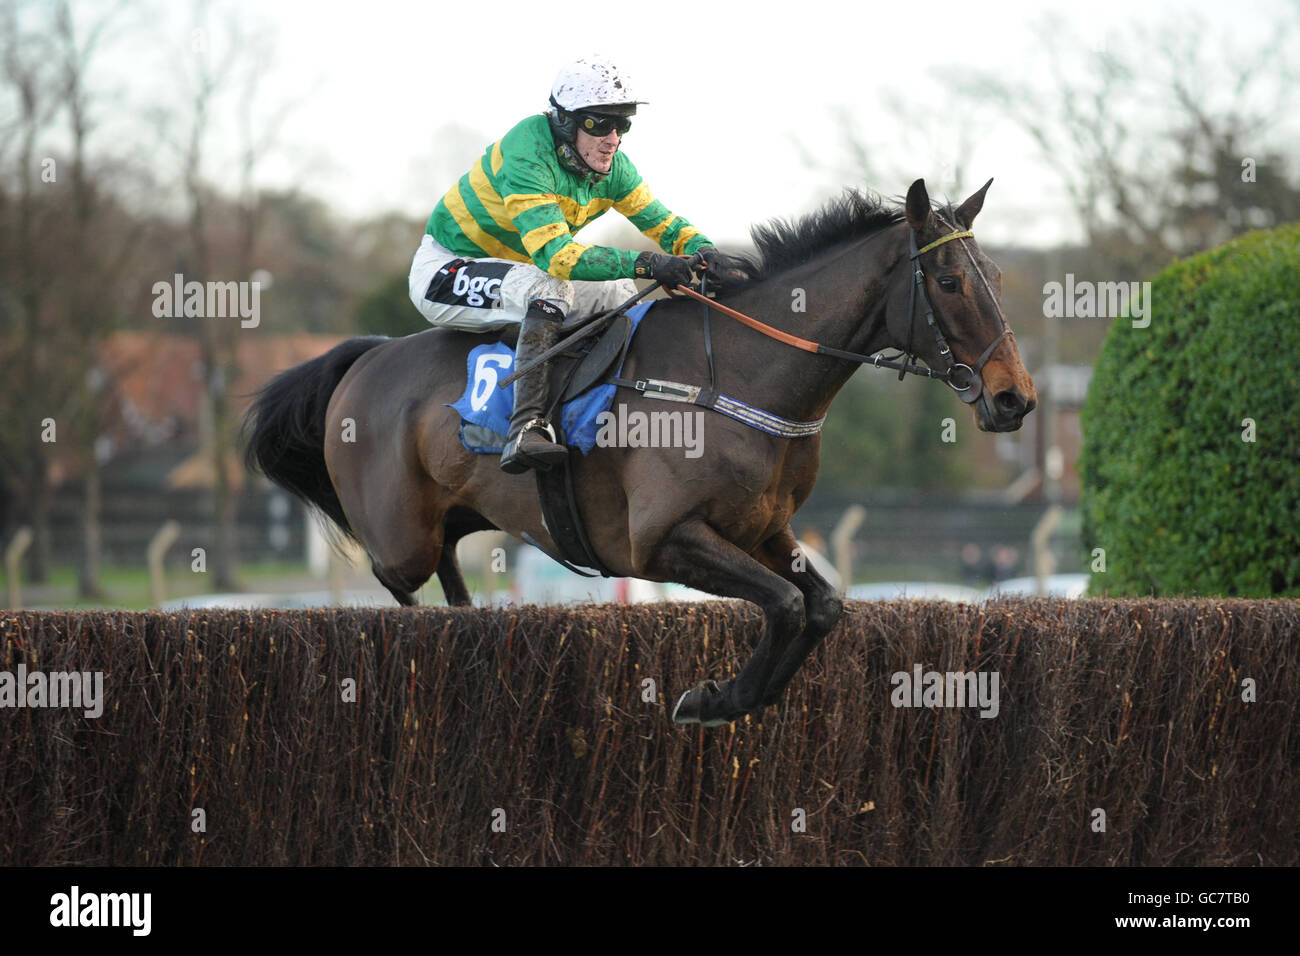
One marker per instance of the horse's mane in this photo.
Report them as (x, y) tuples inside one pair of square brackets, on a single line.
[(784, 244)]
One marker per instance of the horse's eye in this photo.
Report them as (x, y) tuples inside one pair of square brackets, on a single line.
[(949, 283)]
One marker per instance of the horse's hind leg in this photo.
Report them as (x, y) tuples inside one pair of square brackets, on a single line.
[(449, 576), (436, 551), (404, 554), (696, 555), (401, 586), (458, 522), (822, 605)]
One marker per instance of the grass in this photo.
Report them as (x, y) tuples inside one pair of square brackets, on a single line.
[(127, 587)]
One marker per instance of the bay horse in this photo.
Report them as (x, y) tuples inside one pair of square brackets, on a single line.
[(364, 433)]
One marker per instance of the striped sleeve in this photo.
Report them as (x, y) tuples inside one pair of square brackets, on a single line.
[(673, 234), (533, 206)]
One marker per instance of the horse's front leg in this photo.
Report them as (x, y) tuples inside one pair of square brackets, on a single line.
[(696, 555), (822, 607)]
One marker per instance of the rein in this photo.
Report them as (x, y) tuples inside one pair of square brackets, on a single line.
[(974, 382), (806, 345)]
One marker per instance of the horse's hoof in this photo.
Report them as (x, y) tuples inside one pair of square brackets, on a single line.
[(699, 705)]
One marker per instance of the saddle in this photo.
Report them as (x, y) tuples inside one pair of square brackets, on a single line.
[(572, 372), (581, 380), (583, 365)]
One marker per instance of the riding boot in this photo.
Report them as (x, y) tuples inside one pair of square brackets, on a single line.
[(532, 440)]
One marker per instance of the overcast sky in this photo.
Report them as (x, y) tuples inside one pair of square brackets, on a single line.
[(749, 103)]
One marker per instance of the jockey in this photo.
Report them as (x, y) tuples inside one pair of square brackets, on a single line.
[(499, 247)]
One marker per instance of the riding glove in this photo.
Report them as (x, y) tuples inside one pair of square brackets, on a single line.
[(722, 270), (672, 271)]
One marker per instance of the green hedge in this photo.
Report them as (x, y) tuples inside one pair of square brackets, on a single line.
[(1173, 492)]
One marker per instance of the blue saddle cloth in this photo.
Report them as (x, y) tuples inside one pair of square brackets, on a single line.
[(485, 409)]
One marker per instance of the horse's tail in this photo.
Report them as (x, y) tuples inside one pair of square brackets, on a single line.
[(284, 430)]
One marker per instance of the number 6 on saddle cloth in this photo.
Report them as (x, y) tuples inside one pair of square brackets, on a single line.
[(485, 409)]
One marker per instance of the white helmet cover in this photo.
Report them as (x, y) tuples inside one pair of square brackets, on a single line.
[(592, 82)]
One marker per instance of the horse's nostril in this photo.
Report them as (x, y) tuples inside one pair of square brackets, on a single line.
[(1009, 402)]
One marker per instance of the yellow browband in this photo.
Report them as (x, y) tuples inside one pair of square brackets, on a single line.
[(942, 239)]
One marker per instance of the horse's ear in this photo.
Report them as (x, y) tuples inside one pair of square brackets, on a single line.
[(968, 210), (918, 205)]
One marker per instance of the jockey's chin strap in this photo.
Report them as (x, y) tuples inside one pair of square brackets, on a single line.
[(965, 380)]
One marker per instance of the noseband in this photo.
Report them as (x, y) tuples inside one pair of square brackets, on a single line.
[(956, 373)]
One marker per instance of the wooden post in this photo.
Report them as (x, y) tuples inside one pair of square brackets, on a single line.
[(163, 539), (335, 576), (18, 546), (489, 542), (1044, 563), (842, 543)]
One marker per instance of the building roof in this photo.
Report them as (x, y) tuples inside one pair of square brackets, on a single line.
[(153, 389)]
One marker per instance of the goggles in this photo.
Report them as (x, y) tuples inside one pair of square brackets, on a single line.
[(601, 125)]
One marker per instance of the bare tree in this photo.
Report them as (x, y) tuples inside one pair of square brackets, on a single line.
[(207, 74), (237, 71), (26, 57), (92, 265), (258, 137), (1150, 134)]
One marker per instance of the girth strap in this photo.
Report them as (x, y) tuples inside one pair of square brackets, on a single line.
[(750, 415)]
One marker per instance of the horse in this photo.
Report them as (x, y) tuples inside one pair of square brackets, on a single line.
[(363, 432)]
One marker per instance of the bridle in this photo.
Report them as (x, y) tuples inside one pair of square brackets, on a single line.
[(954, 375), (973, 377), (967, 381)]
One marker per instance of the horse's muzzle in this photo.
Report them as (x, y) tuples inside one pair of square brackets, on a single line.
[(1004, 412)]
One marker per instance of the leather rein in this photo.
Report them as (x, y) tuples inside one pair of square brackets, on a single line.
[(973, 378)]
